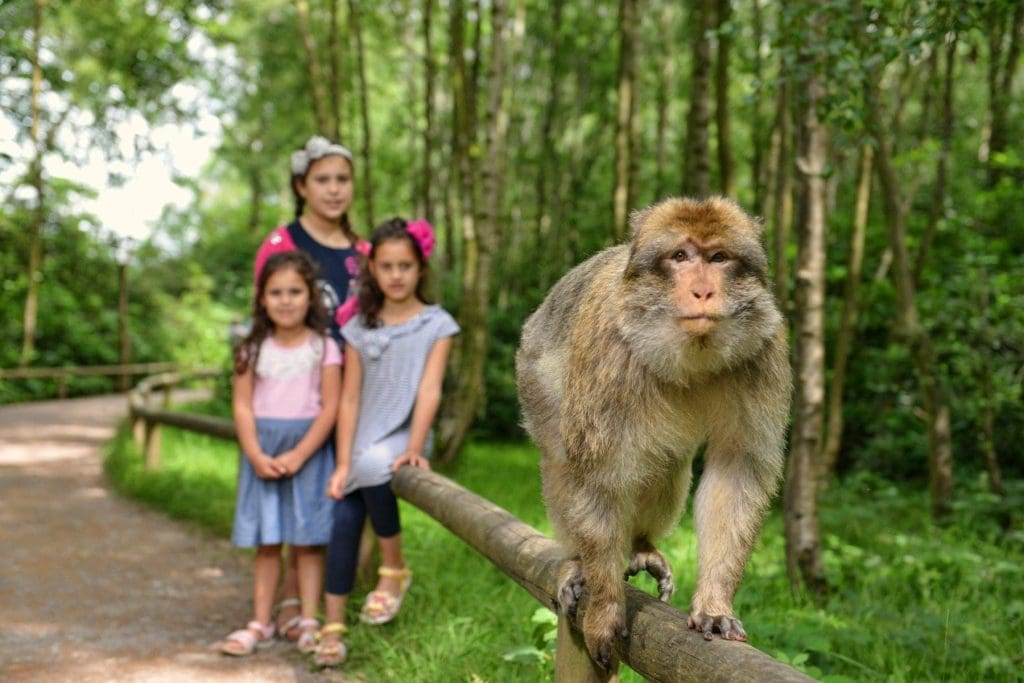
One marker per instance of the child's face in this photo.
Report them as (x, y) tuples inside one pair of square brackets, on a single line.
[(396, 269), (286, 299), (327, 187)]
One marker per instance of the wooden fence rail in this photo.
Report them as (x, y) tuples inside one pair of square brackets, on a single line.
[(661, 647), (62, 374)]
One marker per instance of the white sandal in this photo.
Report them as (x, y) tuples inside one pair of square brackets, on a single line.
[(307, 640), (283, 629), (247, 640)]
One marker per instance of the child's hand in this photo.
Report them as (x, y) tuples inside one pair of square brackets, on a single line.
[(290, 462), (336, 484), (414, 458), (266, 467)]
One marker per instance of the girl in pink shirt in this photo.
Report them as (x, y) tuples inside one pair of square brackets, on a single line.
[(285, 399)]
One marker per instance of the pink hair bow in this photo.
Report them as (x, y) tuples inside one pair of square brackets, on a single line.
[(423, 233)]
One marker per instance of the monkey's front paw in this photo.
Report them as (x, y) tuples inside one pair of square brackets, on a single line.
[(655, 564), (570, 587), (602, 624), (727, 625)]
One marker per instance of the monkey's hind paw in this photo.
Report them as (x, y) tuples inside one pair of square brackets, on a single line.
[(655, 564), (570, 587), (729, 627)]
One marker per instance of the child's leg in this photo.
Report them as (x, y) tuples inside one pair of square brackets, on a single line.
[(343, 548), (382, 507), (342, 557), (266, 571), (310, 573), (258, 632), (288, 614), (391, 556)]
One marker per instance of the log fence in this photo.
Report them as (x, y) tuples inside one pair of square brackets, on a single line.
[(660, 646), (63, 374)]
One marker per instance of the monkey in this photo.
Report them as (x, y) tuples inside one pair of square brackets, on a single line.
[(637, 358)]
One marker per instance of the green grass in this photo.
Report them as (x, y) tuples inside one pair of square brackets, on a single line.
[(910, 601)]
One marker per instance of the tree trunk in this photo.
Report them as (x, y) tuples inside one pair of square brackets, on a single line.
[(986, 428), (35, 248), (783, 196), (761, 139), (334, 80), (726, 169), (548, 164), (365, 175), (478, 222), (426, 200), (665, 27), (848, 321), (628, 20), (124, 341), (908, 326), (803, 533), (941, 164), (696, 156), (316, 72), (1000, 81)]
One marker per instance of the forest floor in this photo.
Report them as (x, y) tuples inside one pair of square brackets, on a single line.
[(94, 587)]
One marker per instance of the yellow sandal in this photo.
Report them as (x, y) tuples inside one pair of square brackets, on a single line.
[(333, 652), (380, 606)]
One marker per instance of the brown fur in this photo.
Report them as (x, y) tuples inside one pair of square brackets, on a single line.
[(636, 358)]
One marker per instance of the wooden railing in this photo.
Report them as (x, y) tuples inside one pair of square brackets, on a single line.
[(62, 374), (660, 647), (147, 418)]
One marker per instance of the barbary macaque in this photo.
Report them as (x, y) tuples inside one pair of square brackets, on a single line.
[(637, 358)]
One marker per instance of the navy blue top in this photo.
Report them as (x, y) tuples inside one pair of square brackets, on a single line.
[(337, 270)]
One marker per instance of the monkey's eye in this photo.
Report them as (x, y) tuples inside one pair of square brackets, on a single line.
[(719, 257), (679, 255)]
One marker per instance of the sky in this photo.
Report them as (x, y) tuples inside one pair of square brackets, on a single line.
[(129, 209), (132, 208)]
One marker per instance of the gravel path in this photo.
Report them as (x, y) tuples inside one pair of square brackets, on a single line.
[(94, 587)]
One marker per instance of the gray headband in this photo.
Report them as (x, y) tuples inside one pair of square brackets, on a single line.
[(317, 147)]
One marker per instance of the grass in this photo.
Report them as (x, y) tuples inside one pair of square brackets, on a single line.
[(911, 601)]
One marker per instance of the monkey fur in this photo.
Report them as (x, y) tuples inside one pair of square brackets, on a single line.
[(637, 358)]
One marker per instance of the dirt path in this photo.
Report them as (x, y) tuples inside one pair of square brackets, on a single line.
[(97, 588)]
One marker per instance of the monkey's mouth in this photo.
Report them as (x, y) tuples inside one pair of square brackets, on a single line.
[(699, 325)]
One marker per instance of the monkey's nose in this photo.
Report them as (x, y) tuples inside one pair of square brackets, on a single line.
[(703, 294)]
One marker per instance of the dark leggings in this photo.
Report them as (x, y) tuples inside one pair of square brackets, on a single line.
[(349, 516)]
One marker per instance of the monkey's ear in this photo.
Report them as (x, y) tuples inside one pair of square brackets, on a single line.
[(637, 217)]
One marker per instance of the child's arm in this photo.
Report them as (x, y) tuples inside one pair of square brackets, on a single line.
[(313, 439), (428, 398), (245, 424), (348, 416)]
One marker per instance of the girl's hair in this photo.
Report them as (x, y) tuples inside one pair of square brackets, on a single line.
[(371, 298), (300, 203), (247, 352)]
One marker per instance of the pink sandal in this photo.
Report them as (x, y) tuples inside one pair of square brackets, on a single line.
[(247, 640)]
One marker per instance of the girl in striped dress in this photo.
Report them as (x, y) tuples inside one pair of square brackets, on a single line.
[(396, 349)]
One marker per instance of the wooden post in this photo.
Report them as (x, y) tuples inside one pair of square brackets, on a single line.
[(139, 430), (151, 448), (572, 660), (62, 387)]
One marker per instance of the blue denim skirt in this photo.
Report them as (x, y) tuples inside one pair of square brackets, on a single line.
[(294, 509)]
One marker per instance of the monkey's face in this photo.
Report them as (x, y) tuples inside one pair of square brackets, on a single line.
[(696, 282)]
